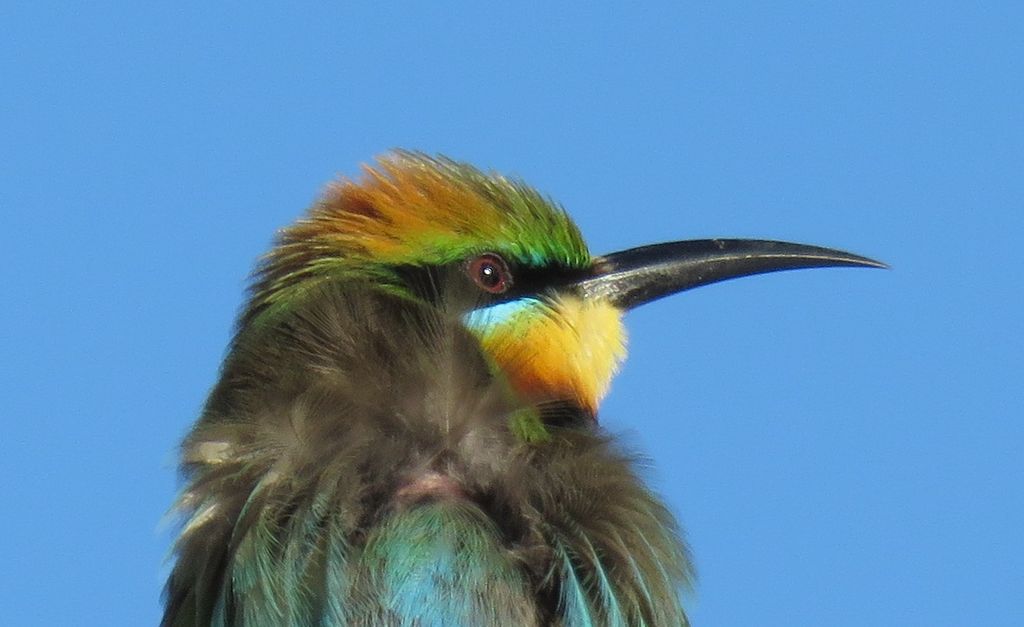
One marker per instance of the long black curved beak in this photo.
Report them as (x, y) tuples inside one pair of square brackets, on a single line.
[(637, 276)]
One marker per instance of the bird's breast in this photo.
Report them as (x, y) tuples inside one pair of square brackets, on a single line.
[(441, 563)]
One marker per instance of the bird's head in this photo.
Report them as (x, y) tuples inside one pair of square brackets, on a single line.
[(508, 262)]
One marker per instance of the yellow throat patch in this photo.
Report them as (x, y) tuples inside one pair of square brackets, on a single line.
[(566, 350)]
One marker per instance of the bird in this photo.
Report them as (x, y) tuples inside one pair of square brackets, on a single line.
[(405, 428)]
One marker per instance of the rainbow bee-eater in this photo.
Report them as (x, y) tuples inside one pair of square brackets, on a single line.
[(405, 429)]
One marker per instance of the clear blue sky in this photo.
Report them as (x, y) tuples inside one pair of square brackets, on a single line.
[(843, 446)]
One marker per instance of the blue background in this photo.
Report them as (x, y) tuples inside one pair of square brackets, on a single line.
[(843, 446)]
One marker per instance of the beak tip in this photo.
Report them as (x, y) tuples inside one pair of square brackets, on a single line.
[(864, 262)]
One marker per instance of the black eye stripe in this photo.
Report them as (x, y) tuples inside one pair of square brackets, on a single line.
[(428, 281)]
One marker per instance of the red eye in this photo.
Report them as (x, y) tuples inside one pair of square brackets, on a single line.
[(490, 273)]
